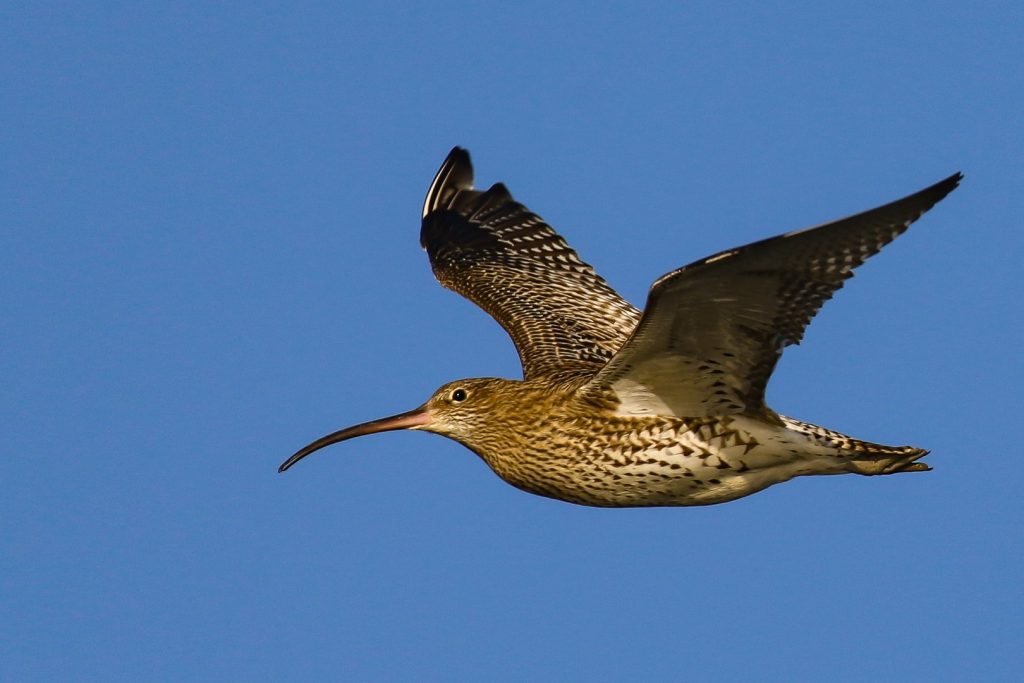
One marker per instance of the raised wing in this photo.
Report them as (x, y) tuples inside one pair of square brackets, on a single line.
[(713, 331), (562, 316)]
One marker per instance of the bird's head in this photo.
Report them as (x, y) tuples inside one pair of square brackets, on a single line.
[(460, 410)]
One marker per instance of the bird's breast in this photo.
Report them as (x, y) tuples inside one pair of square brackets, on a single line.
[(616, 461)]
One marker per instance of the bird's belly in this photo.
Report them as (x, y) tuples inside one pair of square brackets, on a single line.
[(671, 476), (693, 464)]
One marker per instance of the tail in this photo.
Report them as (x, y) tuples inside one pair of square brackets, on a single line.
[(872, 458), (862, 457)]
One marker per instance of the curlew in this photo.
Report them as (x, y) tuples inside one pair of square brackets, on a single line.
[(619, 408)]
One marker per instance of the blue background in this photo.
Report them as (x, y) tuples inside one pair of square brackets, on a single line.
[(209, 221)]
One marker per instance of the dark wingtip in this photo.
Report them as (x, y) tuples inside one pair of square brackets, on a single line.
[(458, 153), (930, 196), (944, 187), (455, 174)]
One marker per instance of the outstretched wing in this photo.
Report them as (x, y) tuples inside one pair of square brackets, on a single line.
[(562, 316), (713, 331)]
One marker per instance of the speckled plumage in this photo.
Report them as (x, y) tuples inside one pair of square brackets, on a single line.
[(622, 409), (562, 316)]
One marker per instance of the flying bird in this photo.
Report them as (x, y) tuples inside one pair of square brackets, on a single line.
[(619, 408)]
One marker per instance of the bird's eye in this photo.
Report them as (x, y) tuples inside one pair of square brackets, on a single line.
[(459, 395)]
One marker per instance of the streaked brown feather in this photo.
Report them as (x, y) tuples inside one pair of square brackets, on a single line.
[(562, 316), (713, 331)]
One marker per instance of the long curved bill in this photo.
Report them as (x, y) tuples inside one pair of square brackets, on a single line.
[(414, 418)]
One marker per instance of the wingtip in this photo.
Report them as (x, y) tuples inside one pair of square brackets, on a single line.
[(460, 153), (939, 190), (949, 184), (925, 199), (455, 174)]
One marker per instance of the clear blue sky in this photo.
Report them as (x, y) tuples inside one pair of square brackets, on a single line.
[(209, 222)]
